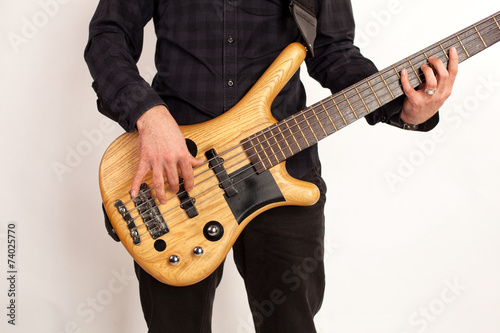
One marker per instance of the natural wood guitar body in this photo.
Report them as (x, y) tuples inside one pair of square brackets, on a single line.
[(185, 240), (224, 134)]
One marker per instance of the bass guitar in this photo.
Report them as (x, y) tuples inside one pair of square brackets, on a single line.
[(244, 152)]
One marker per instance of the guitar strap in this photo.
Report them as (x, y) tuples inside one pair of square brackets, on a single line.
[(305, 17)]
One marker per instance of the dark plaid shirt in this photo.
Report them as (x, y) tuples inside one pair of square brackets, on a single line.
[(209, 53)]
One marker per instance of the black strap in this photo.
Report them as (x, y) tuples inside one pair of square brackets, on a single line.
[(305, 17), (109, 227)]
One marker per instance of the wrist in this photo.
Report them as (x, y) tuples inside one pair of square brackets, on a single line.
[(398, 120), (151, 115), (407, 120)]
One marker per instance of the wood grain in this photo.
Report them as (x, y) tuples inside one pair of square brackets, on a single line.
[(224, 134)]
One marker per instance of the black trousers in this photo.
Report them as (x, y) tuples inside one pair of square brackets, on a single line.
[(280, 257)]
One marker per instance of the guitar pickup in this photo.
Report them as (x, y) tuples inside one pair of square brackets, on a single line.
[(225, 182), (187, 203)]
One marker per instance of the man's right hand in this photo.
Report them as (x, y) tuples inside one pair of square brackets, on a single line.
[(162, 148)]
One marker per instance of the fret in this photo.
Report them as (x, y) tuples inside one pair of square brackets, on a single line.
[(336, 117), (414, 71), (263, 152), (271, 140), (389, 89), (319, 122), (264, 143), (330, 118), (453, 42), (437, 51), (460, 41), (429, 64), (339, 113), (427, 59), (489, 32), (394, 83), (362, 100), (299, 131), (324, 118), (288, 135), (397, 73), (282, 142), (342, 105), (498, 25), (294, 134), (368, 97), (444, 52), (345, 122), (373, 91), (306, 118), (482, 40), (302, 131), (253, 155), (355, 103), (379, 88), (472, 41), (258, 153), (350, 105), (314, 124)]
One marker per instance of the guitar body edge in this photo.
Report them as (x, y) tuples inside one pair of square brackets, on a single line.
[(183, 236)]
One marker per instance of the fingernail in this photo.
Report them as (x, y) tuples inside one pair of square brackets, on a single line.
[(133, 193)]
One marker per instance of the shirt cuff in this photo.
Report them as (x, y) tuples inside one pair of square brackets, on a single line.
[(391, 114), (423, 127), (131, 105)]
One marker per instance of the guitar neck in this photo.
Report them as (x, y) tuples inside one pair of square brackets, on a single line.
[(286, 138)]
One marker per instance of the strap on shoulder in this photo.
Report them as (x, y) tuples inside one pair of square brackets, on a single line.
[(304, 15)]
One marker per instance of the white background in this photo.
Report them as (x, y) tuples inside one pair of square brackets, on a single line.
[(419, 254)]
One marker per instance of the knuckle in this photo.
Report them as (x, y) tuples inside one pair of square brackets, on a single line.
[(174, 182), (168, 158)]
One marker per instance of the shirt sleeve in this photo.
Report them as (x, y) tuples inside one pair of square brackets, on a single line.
[(338, 63), (113, 49)]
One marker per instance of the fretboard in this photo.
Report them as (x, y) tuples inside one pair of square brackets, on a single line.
[(286, 138)]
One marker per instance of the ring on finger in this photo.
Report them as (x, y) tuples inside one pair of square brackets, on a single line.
[(430, 91)]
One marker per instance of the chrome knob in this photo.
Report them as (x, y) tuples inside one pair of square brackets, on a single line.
[(213, 230), (198, 251), (173, 260)]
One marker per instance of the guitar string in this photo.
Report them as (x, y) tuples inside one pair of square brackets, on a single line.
[(281, 150), (207, 198), (241, 171), (416, 55), (467, 40), (240, 162)]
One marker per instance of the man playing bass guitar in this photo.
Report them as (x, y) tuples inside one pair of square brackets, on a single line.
[(208, 56)]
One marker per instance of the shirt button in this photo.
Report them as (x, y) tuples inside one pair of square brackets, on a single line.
[(230, 40), (230, 83)]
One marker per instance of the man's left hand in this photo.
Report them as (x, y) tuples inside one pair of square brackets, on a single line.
[(423, 103)]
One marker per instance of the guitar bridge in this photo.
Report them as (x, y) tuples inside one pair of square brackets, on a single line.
[(150, 213)]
